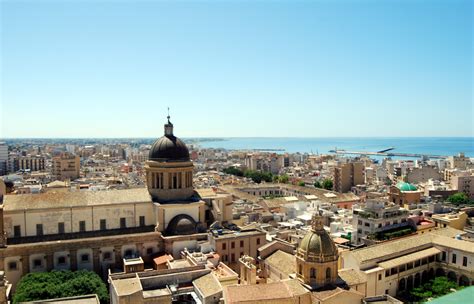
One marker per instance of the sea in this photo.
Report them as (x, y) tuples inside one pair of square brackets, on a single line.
[(444, 146)]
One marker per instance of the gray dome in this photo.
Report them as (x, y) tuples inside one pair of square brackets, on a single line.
[(317, 245), (169, 148)]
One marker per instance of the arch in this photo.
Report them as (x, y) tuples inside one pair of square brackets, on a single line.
[(410, 282), (181, 224), (401, 285), (328, 273), (452, 276), (463, 281), (417, 280), (440, 272), (424, 277), (431, 273), (312, 273)]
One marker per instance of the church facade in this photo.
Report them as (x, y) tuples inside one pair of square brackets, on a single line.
[(97, 230)]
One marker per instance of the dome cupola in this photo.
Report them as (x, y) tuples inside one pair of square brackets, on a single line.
[(169, 147)]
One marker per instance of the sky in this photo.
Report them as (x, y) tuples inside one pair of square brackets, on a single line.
[(236, 68)]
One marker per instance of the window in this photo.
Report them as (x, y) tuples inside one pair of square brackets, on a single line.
[(241, 244), (387, 273), (431, 258), (312, 273), (359, 222), (232, 257), (107, 255), (128, 253), (366, 224), (410, 266), (393, 271), (380, 276), (402, 268), (443, 257), (417, 263), (149, 250), (84, 257), (142, 220), (37, 263), (224, 246), (123, 222), (39, 229), (82, 226), (17, 231), (232, 245), (12, 266), (61, 260), (103, 224), (300, 269), (464, 261), (328, 273), (258, 241), (454, 258), (61, 227)]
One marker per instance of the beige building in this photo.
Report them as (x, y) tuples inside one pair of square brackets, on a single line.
[(98, 230), (348, 175), (393, 267), (453, 220), (463, 181), (459, 161), (66, 166)]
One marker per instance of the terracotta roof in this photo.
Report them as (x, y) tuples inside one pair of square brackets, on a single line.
[(352, 276), (263, 292), (162, 259)]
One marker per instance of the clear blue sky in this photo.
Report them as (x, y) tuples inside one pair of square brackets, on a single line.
[(236, 68)]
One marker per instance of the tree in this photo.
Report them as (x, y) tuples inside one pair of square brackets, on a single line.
[(283, 179), (301, 183), (327, 184), (59, 284), (459, 198), (436, 287), (233, 171), (317, 184)]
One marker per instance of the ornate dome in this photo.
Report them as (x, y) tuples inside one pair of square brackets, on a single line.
[(169, 147), (317, 245)]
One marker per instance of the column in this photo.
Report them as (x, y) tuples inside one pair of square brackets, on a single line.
[(25, 262), (49, 261), (96, 259), (73, 259), (118, 255)]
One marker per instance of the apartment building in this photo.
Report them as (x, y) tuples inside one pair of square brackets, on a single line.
[(66, 166), (348, 175)]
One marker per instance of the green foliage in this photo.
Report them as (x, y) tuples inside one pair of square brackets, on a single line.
[(301, 183), (459, 199), (233, 171), (390, 234), (59, 284), (258, 176), (283, 179), (436, 287), (317, 184), (327, 184)]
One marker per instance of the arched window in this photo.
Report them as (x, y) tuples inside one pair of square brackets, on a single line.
[(312, 273), (300, 269), (328, 273)]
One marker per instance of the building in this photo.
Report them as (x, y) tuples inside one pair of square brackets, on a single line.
[(423, 174), (3, 158), (463, 181), (97, 230), (66, 166), (404, 194), (348, 175), (377, 217), (454, 220), (459, 161), (393, 267), (29, 162)]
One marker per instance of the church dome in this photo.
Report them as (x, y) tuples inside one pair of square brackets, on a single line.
[(169, 147), (317, 245), (406, 186)]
